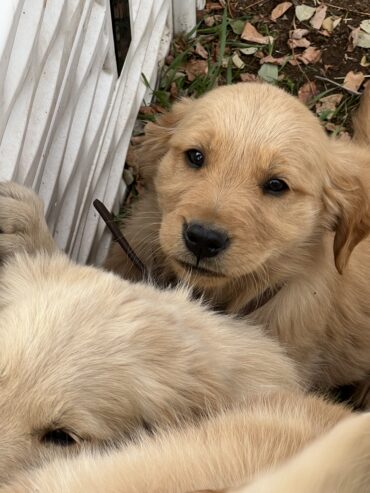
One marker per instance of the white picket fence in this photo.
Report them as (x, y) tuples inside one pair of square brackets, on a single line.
[(65, 116)]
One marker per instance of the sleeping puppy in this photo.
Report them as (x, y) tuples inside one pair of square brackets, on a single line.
[(88, 359), (229, 449), (253, 204)]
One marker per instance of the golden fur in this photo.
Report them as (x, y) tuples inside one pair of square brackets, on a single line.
[(85, 352), (229, 449), (311, 240)]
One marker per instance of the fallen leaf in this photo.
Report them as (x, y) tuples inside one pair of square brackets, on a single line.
[(307, 92), (353, 39), (237, 26), (327, 105), (248, 77), (213, 6), (250, 33), (173, 90), (275, 61), (317, 20), (237, 61), (209, 21), (304, 12), (249, 51), (298, 43), (353, 80), (194, 68), (363, 40), (280, 10), (364, 62), (365, 25), (336, 22), (268, 72), (298, 33), (201, 51), (310, 55), (225, 61)]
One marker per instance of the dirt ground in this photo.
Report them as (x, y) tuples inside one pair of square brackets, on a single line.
[(326, 55)]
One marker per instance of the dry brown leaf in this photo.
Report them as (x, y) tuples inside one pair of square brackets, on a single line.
[(353, 39), (317, 20), (298, 33), (250, 33), (280, 10), (298, 43), (201, 51), (328, 104), (353, 80), (213, 6), (209, 21), (174, 91), (310, 55), (196, 67), (307, 92), (275, 61), (248, 77)]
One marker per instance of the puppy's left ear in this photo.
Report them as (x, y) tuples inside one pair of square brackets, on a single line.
[(347, 198)]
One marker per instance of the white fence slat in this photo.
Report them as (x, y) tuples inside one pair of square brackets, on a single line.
[(65, 116)]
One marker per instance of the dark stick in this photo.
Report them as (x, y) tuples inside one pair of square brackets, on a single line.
[(118, 236)]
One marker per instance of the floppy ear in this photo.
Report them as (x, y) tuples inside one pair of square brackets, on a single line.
[(155, 142), (347, 198)]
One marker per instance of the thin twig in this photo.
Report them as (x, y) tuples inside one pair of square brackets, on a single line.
[(118, 236), (355, 93), (348, 10)]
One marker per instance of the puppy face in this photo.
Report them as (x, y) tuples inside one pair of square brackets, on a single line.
[(248, 183)]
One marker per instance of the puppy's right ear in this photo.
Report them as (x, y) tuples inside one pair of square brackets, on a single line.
[(155, 142)]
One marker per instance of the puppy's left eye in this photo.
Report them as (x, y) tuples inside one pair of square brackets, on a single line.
[(60, 437), (275, 186), (195, 158)]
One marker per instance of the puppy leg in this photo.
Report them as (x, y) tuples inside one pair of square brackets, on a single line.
[(22, 223), (339, 461)]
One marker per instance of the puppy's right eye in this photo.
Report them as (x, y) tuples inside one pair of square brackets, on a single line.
[(59, 437), (195, 158)]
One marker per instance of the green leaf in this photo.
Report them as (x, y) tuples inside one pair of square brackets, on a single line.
[(237, 26), (269, 72)]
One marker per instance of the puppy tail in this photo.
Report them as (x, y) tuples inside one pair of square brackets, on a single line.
[(361, 119)]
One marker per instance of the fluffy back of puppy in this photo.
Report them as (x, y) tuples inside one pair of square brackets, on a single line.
[(87, 358)]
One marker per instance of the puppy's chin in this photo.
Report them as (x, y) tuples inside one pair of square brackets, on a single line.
[(198, 277)]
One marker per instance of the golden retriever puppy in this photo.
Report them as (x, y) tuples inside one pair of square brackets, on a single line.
[(87, 358), (254, 205), (226, 450)]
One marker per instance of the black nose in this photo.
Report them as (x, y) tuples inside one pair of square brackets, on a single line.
[(204, 241)]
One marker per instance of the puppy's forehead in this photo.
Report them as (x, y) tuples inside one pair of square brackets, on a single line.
[(248, 114)]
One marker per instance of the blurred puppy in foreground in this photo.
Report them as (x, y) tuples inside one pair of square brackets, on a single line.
[(88, 359)]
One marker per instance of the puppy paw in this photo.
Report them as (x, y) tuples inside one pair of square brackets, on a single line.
[(22, 223)]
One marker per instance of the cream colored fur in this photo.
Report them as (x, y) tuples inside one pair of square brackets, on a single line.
[(338, 462), (86, 352), (312, 239), (226, 450)]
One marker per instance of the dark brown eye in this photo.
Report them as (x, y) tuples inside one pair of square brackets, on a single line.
[(275, 186), (194, 158), (59, 437)]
